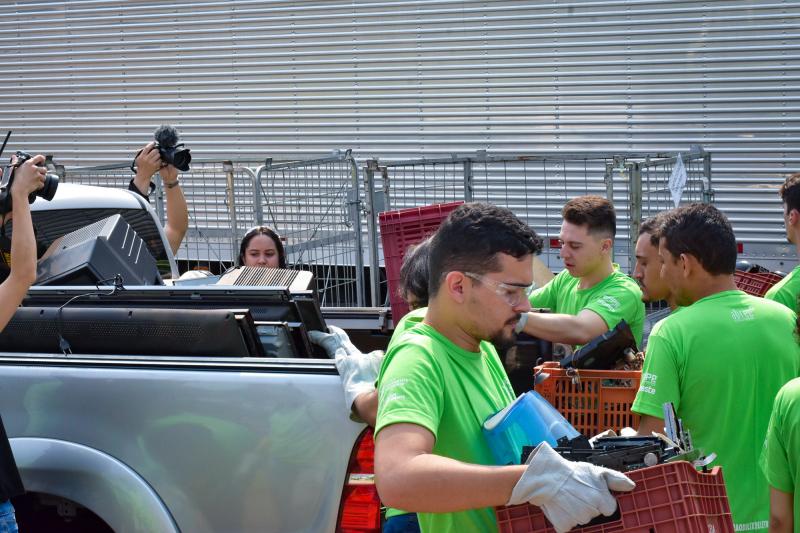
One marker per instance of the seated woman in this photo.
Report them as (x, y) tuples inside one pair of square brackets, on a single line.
[(261, 247)]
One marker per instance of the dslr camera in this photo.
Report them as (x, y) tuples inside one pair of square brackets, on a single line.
[(171, 152), (47, 192)]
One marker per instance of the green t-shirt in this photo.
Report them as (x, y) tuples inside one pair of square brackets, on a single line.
[(409, 320), (786, 290), (615, 298), (429, 381), (780, 458), (721, 361)]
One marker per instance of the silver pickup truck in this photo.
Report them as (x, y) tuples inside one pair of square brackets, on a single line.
[(140, 408)]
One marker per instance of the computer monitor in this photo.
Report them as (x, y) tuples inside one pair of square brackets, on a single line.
[(298, 310), (132, 331), (98, 254)]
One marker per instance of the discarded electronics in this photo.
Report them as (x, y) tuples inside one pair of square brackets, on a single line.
[(632, 453)]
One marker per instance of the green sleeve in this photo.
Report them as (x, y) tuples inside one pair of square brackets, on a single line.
[(620, 303), (660, 378), (411, 388), (783, 296), (774, 457), (546, 296)]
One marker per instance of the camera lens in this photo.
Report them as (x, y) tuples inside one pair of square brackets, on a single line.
[(181, 159), (49, 189)]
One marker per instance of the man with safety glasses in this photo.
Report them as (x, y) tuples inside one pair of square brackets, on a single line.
[(439, 382), (590, 296)]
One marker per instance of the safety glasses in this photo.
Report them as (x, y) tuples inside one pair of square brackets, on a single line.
[(513, 295)]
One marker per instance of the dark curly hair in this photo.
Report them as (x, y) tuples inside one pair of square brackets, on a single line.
[(652, 226), (414, 275), (790, 192), (472, 236), (703, 231)]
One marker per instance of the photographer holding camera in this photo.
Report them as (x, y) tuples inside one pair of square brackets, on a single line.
[(162, 156), (29, 177)]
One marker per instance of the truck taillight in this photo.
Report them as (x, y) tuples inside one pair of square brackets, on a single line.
[(360, 509)]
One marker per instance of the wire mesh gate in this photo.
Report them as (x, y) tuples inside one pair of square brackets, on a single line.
[(536, 188), (314, 205), (318, 208), (218, 195)]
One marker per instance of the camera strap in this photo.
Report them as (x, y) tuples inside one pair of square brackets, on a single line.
[(133, 163), (5, 243)]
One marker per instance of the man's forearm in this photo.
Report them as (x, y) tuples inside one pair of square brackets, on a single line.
[(23, 261), (781, 512), (23, 245), (567, 329), (366, 407), (177, 217), (435, 484), (142, 181)]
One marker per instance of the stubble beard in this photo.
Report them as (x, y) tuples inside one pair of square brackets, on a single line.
[(502, 341)]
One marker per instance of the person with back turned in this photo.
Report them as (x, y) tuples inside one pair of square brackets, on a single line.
[(720, 360), (787, 290)]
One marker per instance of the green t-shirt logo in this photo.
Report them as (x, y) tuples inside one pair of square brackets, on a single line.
[(742, 315), (648, 383), (609, 302)]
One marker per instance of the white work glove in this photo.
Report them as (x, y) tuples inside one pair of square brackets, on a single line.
[(336, 343), (359, 371), (568, 493)]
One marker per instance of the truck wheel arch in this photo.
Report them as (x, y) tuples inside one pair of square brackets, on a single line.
[(94, 479)]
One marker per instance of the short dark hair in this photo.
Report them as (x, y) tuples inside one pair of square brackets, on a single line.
[(472, 236), (593, 211), (703, 231), (262, 230), (652, 226), (790, 192), (415, 273)]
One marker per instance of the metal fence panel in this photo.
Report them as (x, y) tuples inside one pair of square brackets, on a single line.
[(536, 187), (217, 194), (315, 206)]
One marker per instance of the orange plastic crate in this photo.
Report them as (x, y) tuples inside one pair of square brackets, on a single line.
[(399, 230), (601, 399), (668, 498), (754, 283)]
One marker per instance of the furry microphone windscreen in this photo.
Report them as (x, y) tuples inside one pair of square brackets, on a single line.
[(166, 135)]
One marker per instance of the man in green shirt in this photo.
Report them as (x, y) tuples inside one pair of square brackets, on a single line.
[(720, 360), (647, 272), (439, 383), (787, 289), (780, 460), (590, 296)]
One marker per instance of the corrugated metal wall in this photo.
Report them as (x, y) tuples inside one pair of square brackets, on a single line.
[(90, 80)]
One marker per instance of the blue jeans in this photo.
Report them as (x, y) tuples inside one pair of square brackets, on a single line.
[(8, 520), (404, 523)]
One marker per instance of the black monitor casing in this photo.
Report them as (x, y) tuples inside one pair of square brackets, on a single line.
[(96, 254)]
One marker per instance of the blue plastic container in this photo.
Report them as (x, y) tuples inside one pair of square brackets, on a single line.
[(529, 421)]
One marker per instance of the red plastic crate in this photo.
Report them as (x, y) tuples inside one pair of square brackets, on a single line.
[(601, 399), (668, 498), (399, 230), (754, 283)]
